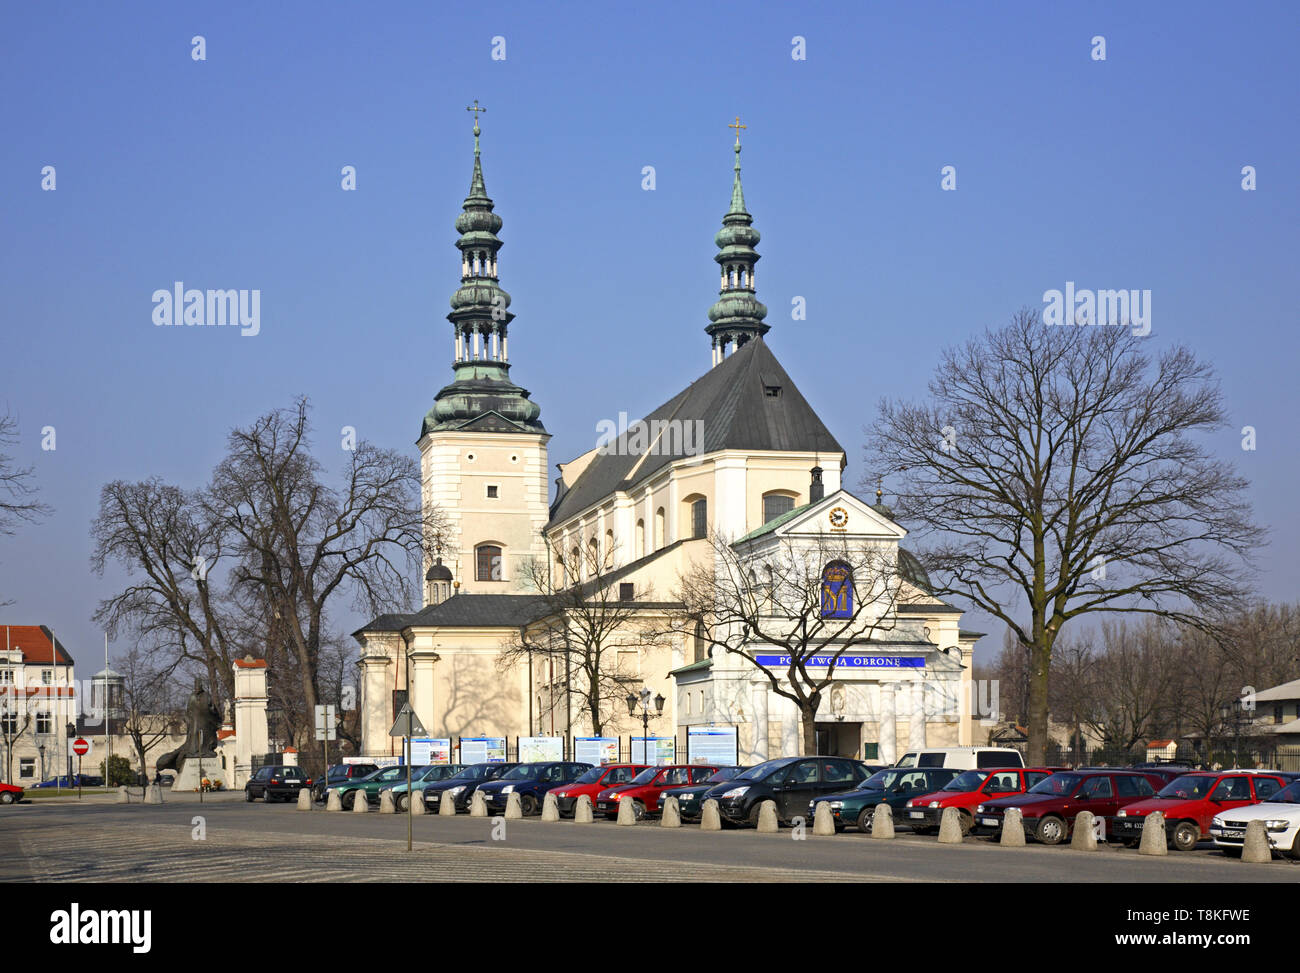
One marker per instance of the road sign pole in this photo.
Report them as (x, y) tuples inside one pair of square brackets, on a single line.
[(410, 798), (78, 776)]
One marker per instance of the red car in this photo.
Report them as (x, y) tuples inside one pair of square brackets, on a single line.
[(924, 812), (592, 783), (1050, 806), (10, 793), (1191, 801), (644, 790)]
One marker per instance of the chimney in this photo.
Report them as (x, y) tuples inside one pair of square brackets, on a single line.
[(816, 491)]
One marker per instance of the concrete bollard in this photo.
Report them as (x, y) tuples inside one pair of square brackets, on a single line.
[(513, 811), (1085, 832), (360, 803), (477, 805), (823, 820), (417, 802), (446, 806), (626, 814), (669, 815), (550, 808), (123, 796), (153, 795), (582, 810), (304, 800), (1013, 828), (1256, 848), (332, 801), (767, 822), (882, 822), (950, 826), (386, 805), (1153, 835), (710, 819)]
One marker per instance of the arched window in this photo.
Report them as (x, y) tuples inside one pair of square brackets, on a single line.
[(776, 504), (593, 558), (640, 538), (701, 648), (575, 565), (488, 563), (699, 510), (608, 558), (659, 528), (837, 590)]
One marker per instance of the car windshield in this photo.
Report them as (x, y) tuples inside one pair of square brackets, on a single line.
[(646, 776), (725, 774), (759, 771), (967, 781), (524, 772), (879, 780), (1287, 795), (591, 776), (1059, 785), (1187, 788), (474, 772)]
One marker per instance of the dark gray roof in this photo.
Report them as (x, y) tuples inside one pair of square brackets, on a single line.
[(730, 401), (467, 611)]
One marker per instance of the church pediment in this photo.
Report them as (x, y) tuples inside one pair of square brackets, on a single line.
[(839, 515)]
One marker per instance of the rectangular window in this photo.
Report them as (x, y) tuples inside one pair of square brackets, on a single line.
[(9, 724), (699, 518), (625, 591), (6, 677), (1277, 714), (26, 766), (42, 724), (492, 491), (46, 677), (776, 506)]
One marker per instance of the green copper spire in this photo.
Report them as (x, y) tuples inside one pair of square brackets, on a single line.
[(481, 394), (737, 316)]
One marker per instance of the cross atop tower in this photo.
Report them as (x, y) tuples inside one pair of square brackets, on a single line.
[(475, 109), (736, 125)]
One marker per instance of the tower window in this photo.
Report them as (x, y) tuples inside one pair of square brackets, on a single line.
[(699, 518), (776, 505), (488, 564), (772, 391), (625, 591), (492, 491)]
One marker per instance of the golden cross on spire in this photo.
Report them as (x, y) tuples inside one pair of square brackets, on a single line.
[(737, 126), (475, 109)]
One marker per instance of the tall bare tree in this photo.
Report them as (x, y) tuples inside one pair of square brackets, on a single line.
[(150, 701), (751, 600), (1057, 472), (18, 501)]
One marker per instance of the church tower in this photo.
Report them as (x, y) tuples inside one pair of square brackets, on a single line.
[(482, 445), (737, 316)]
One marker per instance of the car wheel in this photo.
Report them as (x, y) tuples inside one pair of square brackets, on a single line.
[(1186, 835), (349, 799), (6, 797), (400, 803), (638, 810), (1051, 830), (865, 817), (248, 795), (1294, 853), (527, 805), (266, 796), (966, 820), (754, 813)]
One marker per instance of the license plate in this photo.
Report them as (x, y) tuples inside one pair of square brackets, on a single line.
[(993, 822), (1232, 833), (918, 814)]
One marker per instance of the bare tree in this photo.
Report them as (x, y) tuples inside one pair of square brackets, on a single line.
[(583, 623), (149, 702), (753, 599), (1055, 473), (18, 502)]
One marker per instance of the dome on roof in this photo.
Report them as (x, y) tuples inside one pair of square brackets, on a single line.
[(910, 568), (438, 572)]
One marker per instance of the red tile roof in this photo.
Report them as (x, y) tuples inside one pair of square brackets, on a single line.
[(1158, 744), (225, 734), (251, 663), (36, 644)]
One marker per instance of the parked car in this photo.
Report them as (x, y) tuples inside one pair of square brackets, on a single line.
[(419, 781), (370, 785), (1050, 806), (644, 789), (925, 812), (894, 786), (791, 782), (65, 781), (460, 787), (276, 782), (1281, 817), (690, 797), (963, 758), (530, 781), (10, 793), (591, 783), (1191, 801), (338, 775)]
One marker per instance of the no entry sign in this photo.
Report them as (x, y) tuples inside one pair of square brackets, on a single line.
[(81, 746)]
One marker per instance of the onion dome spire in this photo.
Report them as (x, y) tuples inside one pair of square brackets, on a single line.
[(481, 393), (737, 316)]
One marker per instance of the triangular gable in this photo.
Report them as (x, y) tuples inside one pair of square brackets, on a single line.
[(841, 515)]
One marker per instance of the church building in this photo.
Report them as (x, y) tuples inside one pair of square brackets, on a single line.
[(738, 454)]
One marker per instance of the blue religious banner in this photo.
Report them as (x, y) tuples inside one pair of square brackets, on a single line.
[(837, 591)]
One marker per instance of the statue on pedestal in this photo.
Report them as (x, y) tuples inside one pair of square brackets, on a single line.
[(201, 723)]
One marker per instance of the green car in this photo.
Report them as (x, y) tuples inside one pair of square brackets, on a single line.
[(893, 786), (421, 778), (371, 786)]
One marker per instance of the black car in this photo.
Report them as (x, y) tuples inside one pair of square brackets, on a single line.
[(894, 786), (276, 782), (690, 797), (461, 787), (790, 782), (530, 782), (337, 776)]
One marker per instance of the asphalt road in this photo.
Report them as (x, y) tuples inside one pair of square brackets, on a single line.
[(105, 842)]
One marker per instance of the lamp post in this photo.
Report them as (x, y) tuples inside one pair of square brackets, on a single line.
[(633, 699), (41, 750)]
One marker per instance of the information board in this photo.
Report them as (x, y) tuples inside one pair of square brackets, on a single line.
[(712, 745), (596, 750), (538, 749), (429, 750), (480, 750), (662, 750)]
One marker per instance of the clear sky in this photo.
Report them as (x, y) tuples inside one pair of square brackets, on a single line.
[(225, 173)]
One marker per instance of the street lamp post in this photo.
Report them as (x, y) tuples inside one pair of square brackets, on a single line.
[(633, 699)]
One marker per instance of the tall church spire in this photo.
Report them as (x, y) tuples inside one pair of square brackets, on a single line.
[(481, 392), (737, 315)]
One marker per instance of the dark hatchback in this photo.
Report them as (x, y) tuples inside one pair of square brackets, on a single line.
[(894, 786), (338, 775), (790, 782), (276, 782), (690, 797), (530, 782), (461, 788)]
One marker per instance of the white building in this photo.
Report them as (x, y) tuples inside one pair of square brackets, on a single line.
[(38, 701)]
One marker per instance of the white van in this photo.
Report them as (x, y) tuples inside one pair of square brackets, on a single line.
[(962, 758)]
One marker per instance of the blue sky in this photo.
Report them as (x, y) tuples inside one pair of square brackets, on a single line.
[(225, 173)]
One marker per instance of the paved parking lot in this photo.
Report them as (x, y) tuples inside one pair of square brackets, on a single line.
[(106, 842)]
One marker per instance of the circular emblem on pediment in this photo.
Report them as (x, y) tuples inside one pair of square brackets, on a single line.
[(839, 518)]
